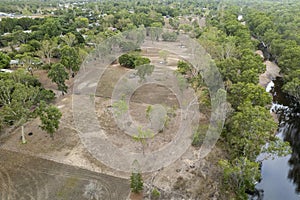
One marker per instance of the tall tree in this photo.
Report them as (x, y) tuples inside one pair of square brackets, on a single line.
[(17, 103), (69, 39), (49, 116), (70, 59), (58, 75), (47, 48), (4, 61)]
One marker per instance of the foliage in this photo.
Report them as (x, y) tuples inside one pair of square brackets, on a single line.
[(183, 67), (164, 55), (242, 91), (69, 39), (49, 116), (120, 107), (136, 182), (4, 61), (127, 60), (293, 87), (51, 27), (142, 136), (47, 48), (70, 59), (155, 31), (240, 175), (148, 111), (20, 95), (155, 194), (144, 70), (181, 82), (226, 39), (58, 75), (245, 136), (131, 60), (199, 135)]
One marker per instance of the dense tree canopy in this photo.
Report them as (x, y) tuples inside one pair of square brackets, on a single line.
[(4, 60)]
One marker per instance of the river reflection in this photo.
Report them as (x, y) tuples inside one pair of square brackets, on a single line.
[(281, 176)]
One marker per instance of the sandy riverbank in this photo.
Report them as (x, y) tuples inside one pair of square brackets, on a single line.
[(272, 71)]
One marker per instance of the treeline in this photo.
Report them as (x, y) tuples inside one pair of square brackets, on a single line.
[(59, 43), (278, 28), (249, 125)]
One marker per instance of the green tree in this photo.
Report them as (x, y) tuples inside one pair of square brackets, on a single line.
[(249, 76), (127, 60), (183, 67), (49, 116), (230, 69), (47, 48), (293, 87), (169, 36), (141, 61), (144, 70), (174, 22), (242, 91), (142, 137), (250, 60), (249, 129), (69, 39), (289, 60), (164, 55), (239, 175), (17, 100), (58, 75), (82, 22), (29, 62), (51, 27), (131, 60), (4, 61), (155, 31), (70, 59)]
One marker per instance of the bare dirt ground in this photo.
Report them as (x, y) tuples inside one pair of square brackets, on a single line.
[(187, 178), (26, 177)]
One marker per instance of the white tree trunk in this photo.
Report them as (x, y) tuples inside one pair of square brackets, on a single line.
[(23, 136)]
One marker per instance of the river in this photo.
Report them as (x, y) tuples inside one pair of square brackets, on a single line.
[(281, 175)]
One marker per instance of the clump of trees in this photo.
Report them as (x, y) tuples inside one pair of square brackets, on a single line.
[(249, 125), (23, 98), (131, 60), (277, 29), (169, 36)]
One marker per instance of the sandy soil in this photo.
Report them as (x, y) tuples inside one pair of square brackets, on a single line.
[(272, 71), (187, 178), (26, 177)]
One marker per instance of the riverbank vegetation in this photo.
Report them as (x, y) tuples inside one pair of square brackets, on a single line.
[(277, 28)]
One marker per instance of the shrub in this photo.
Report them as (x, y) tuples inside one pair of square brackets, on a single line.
[(127, 60), (155, 194), (136, 182), (131, 60), (199, 136), (169, 36)]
